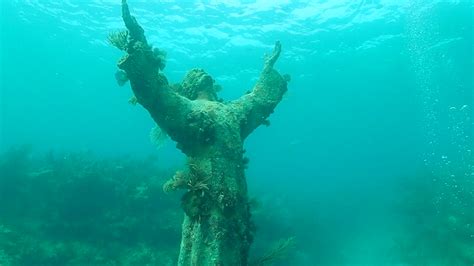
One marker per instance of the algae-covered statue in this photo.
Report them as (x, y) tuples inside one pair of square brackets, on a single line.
[(217, 228)]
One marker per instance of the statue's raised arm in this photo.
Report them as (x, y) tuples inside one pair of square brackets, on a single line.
[(142, 65), (257, 105), (137, 34)]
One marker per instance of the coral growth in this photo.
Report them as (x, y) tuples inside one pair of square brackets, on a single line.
[(184, 180), (119, 39), (133, 100), (158, 136), (179, 180), (121, 77), (160, 57)]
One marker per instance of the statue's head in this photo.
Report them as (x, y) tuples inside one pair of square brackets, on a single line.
[(197, 84)]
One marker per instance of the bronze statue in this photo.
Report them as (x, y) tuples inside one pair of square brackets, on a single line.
[(217, 228)]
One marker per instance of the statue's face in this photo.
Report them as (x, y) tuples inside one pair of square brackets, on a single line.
[(204, 84), (197, 84)]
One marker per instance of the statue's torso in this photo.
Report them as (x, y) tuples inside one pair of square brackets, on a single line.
[(214, 128)]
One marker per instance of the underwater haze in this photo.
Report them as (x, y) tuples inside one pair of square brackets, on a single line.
[(367, 159)]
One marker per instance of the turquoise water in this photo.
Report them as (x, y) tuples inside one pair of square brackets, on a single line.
[(368, 159)]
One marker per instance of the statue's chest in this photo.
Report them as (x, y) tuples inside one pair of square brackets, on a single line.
[(213, 122)]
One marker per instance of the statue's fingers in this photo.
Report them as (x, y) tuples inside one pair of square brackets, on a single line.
[(277, 45)]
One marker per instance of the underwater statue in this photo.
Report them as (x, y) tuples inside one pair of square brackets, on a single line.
[(217, 228)]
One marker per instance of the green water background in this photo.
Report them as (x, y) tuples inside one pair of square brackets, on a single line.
[(372, 143)]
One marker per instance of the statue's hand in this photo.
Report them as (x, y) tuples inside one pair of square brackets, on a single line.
[(271, 59), (256, 106)]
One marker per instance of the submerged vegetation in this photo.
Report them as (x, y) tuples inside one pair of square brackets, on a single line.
[(80, 209), (74, 208)]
